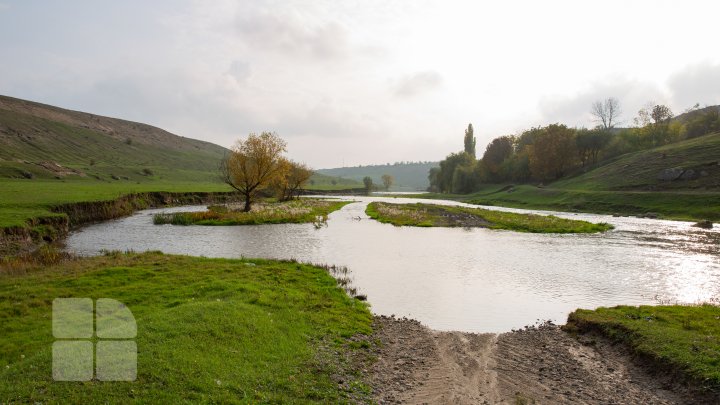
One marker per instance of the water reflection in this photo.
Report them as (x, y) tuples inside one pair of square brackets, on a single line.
[(457, 279)]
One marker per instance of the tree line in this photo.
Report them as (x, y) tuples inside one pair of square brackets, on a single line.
[(548, 153)]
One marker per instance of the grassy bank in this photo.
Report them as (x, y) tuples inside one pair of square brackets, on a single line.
[(428, 215), (296, 211), (679, 205), (209, 330), (22, 200), (684, 340)]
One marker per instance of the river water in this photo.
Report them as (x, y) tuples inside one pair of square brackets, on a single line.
[(475, 280)]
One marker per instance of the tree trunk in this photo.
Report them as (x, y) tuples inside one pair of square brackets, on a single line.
[(247, 202)]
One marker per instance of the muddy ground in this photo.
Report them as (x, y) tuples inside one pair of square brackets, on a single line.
[(541, 364)]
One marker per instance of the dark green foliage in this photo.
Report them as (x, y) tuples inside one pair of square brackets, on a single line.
[(469, 141), (590, 143), (368, 182), (497, 151), (445, 176)]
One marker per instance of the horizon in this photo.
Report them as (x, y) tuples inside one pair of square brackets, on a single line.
[(369, 83)]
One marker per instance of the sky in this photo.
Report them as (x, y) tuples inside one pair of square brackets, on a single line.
[(349, 82)]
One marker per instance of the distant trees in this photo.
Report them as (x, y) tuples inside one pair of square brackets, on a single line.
[(606, 112), (553, 152), (497, 152), (589, 143), (470, 141), (702, 122), (257, 163), (387, 181), (368, 182)]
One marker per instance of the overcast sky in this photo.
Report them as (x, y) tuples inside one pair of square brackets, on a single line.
[(359, 81)]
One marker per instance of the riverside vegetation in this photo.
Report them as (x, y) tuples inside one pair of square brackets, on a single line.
[(209, 330), (682, 340), (294, 211), (428, 215)]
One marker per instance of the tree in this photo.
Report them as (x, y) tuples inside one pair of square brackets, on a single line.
[(387, 181), (470, 141), (653, 124), (496, 152), (589, 144), (368, 182), (447, 169), (660, 113), (295, 176), (553, 152), (254, 163), (434, 180), (606, 112), (464, 179)]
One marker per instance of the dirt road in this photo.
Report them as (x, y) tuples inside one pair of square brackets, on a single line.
[(542, 365)]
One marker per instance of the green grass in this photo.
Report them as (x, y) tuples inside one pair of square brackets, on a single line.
[(427, 215), (296, 211), (22, 200), (679, 205), (684, 339), (639, 170), (209, 330)]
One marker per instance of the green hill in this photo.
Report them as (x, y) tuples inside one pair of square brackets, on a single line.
[(43, 141), (408, 176), (693, 164), (676, 181)]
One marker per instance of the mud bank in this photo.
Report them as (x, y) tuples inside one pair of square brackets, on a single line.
[(65, 217), (535, 365)]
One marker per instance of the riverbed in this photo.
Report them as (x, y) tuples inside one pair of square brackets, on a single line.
[(474, 280)]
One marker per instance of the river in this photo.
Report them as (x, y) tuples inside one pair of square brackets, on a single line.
[(474, 280)]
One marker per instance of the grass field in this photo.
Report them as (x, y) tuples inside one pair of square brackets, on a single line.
[(21, 200), (428, 215), (209, 331), (295, 211), (681, 339), (639, 171)]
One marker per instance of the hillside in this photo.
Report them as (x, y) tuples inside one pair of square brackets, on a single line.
[(43, 141), (408, 176), (693, 164)]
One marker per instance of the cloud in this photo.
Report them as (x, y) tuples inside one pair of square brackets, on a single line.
[(239, 70), (289, 34), (417, 83), (574, 109), (698, 83)]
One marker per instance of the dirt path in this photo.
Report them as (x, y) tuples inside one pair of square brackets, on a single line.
[(542, 365)]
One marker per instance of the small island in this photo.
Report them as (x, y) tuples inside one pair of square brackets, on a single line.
[(432, 215), (293, 211)]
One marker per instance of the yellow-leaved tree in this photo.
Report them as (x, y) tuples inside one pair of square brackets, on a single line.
[(294, 177), (254, 164)]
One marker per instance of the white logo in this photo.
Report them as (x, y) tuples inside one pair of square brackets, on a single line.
[(115, 357)]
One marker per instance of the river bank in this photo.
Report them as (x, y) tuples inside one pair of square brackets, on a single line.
[(298, 333), (540, 364), (55, 221), (684, 205)]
